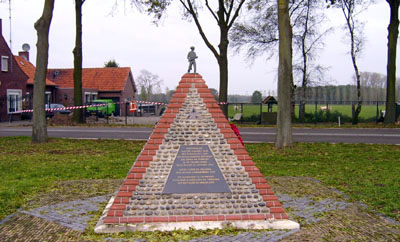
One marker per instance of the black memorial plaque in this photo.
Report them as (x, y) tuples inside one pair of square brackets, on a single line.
[(195, 171)]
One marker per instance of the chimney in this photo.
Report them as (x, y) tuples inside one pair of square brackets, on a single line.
[(24, 54), (1, 27)]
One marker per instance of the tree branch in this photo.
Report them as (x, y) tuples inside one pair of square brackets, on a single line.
[(236, 13), (186, 7), (317, 40), (203, 36), (228, 14), (212, 12)]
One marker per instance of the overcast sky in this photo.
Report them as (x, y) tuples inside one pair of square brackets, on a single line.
[(131, 38)]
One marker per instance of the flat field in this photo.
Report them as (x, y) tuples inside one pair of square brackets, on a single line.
[(368, 112)]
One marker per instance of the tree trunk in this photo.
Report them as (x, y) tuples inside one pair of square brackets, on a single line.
[(304, 83), (284, 129), (391, 63), (42, 26), (223, 70), (358, 79), (78, 113), (348, 13), (302, 109), (223, 57)]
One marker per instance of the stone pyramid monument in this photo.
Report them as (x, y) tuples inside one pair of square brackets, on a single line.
[(193, 172)]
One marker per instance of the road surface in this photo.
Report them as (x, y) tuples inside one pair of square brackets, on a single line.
[(251, 135)]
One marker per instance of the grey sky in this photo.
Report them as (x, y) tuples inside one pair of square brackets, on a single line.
[(132, 40)]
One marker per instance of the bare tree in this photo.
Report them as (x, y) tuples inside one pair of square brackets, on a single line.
[(149, 84), (42, 26), (391, 62), (350, 9), (225, 15), (78, 113), (258, 35), (373, 79), (308, 39), (285, 77), (373, 86)]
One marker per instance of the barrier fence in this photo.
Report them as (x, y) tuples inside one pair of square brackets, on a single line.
[(258, 113), (143, 106), (315, 112)]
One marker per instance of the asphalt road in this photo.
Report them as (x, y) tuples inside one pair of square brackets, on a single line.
[(251, 135)]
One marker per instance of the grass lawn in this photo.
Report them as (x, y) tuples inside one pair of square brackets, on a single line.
[(27, 169), (367, 173), (368, 112)]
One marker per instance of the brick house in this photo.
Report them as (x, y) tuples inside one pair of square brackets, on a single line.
[(29, 69), (12, 82), (17, 80), (114, 83)]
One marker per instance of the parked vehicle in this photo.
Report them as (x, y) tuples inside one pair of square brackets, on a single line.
[(107, 109), (50, 114)]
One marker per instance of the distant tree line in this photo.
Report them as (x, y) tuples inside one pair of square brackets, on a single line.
[(373, 88), (342, 94)]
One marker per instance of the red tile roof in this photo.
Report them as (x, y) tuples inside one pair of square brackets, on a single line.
[(102, 79), (29, 69)]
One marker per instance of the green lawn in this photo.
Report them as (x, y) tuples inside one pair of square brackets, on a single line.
[(368, 112), (367, 173), (27, 169)]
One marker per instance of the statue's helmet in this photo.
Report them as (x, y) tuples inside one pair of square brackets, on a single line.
[(192, 47)]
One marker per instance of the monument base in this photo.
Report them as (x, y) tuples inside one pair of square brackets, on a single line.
[(193, 172), (200, 225)]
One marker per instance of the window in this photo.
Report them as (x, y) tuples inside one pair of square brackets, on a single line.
[(14, 100), (90, 96), (4, 63), (27, 104), (47, 98), (87, 97)]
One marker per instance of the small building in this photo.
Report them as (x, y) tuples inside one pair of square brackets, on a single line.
[(270, 100), (12, 82), (269, 117), (114, 83)]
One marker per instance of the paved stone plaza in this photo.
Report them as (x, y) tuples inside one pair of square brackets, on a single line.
[(324, 214)]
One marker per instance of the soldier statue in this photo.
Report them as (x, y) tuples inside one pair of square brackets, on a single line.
[(192, 60)]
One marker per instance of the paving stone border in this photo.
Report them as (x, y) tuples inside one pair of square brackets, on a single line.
[(308, 209), (74, 215)]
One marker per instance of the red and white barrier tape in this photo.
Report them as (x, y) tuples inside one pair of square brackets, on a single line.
[(59, 109), (96, 105)]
